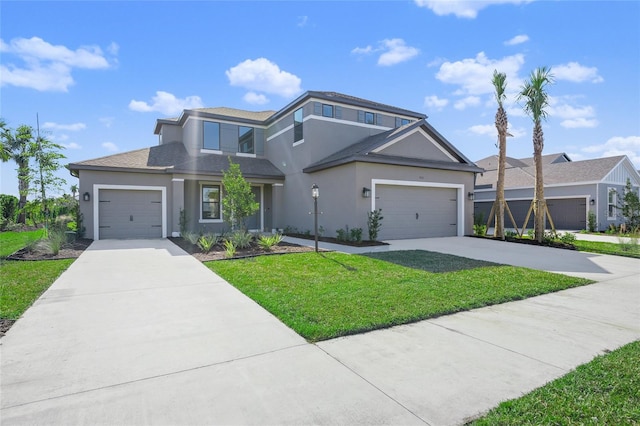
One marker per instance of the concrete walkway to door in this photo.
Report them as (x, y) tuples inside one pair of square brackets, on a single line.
[(139, 332)]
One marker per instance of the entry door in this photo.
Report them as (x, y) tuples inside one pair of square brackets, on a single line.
[(253, 222)]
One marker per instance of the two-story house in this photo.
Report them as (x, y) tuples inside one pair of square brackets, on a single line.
[(362, 155)]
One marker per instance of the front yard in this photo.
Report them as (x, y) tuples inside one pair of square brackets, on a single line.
[(326, 295)]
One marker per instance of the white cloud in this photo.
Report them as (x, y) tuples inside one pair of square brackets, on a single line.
[(255, 98), (576, 73), (469, 101), (474, 75), (64, 127), (110, 146), (302, 21), (572, 117), (72, 145), (618, 145), (484, 129), (435, 102), (46, 67), (396, 51), (166, 103), (262, 75), (579, 123), (519, 39), (462, 8), (113, 48)]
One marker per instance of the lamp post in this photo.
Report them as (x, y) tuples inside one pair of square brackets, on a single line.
[(315, 193)]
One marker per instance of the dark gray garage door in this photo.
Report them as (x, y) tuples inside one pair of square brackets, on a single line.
[(567, 213), (416, 212), (130, 214)]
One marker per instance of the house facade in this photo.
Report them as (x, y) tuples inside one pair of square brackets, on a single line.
[(362, 155), (572, 189)]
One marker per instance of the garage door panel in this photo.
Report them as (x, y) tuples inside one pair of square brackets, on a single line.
[(130, 214), (416, 212)]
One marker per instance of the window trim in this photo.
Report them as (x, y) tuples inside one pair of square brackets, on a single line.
[(204, 125), (201, 219), (610, 203), (369, 114)]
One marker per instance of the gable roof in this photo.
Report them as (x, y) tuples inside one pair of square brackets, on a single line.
[(174, 158), (556, 172), (363, 151)]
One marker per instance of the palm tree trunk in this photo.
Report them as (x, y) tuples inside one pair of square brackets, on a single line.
[(539, 205), (23, 188), (502, 159)]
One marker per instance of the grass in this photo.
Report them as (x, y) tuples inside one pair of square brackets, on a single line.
[(322, 296), (10, 241), (627, 250), (605, 391)]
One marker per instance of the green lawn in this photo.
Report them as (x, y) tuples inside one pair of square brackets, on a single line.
[(11, 241), (628, 250), (605, 391), (326, 295)]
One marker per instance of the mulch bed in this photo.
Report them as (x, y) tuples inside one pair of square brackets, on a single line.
[(363, 243), (68, 251), (217, 252), (554, 244)]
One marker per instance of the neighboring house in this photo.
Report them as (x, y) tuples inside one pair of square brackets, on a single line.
[(363, 156), (572, 189)]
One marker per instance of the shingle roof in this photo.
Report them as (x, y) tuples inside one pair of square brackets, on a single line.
[(363, 151), (174, 158), (237, 113), (554, 173)]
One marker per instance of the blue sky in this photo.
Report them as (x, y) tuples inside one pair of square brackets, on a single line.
[(100, 73)]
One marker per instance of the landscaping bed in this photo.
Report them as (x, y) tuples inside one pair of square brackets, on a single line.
[(218, 251), (332, 240), (69, 250)]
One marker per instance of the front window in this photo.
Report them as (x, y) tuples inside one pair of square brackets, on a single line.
[(327, 110), (211, 202), (211, 135), (404, 121), (612, 204), (245, 140), (369, 118), (297, 125)]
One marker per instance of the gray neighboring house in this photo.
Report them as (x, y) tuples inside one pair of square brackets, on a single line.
[(363, 156), (572, 189)]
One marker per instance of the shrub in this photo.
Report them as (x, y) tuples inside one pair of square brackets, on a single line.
[(52, 244), (229, 249), (191, 237), (184, 221), (591, 221), (629, 244), (8, 207), (267, 242), (241, 239), (356, 235), (568, 238), (480, 229), (207, 241), (511, 234), (374, 223)]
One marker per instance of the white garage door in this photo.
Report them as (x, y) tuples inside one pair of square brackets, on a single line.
[(130, 214), (417, 212)]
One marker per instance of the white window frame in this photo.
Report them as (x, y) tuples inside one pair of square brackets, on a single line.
[(611, 191)]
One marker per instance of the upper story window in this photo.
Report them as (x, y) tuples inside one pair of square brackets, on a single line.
[(211, 135), (210, 202), (327, 110), (369, 118), (245, 140), (297, 125), (612, 204)]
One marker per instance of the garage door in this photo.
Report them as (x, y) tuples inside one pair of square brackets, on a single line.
[(417, 212), (567, 213), (130, 214)]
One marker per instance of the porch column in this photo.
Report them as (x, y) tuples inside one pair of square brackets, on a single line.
[(177, 204)]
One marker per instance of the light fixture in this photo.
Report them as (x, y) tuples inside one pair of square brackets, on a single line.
[(315, 193), (471, 195), (366, 192), (592, 202), (86, 196)]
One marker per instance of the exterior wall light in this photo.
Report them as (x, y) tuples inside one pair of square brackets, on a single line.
[(471, 195), (592, 202), (86, 196), (366, 193)]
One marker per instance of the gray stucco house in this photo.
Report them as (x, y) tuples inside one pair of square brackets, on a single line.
[(572, 189), (363, 156)]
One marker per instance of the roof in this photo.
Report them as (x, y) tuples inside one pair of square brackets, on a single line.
[(363, 151), (174, 158), (555, 173), (491, 162)]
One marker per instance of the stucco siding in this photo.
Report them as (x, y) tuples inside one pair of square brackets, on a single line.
[(417, 145)]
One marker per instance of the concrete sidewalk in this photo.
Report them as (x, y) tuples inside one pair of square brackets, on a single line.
[(139, 332)]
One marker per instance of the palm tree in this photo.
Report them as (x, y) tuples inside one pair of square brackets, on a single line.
[(500, 83), (18, 146), (74, 191), (536, 99)]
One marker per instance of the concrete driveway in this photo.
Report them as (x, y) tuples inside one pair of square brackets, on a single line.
[(139, 332)]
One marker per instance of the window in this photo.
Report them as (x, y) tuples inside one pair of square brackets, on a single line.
[(297, 125), (612, 204), (211, 135), (369, 118), (327, 110), (211, 202), (245, 140)]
